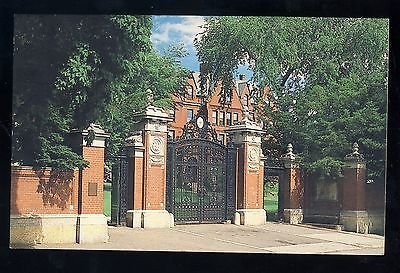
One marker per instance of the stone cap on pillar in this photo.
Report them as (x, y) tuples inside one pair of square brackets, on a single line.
[(245, 127), (134, 144), (92, 136), (151, 111), (152, 118), (355, 158), (290, 159), (134, 140)]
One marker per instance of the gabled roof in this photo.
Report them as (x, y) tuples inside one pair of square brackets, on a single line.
[(240, 85)]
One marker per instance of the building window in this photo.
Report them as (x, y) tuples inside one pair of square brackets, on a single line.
[(235, 118), (246, 100), (254, 116), (214, 117), (221, 118), (228, 96), (221, 138), (189, 92), (228, 118), (189, 114)]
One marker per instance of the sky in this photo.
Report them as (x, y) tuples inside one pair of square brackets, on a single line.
[(168, 30)]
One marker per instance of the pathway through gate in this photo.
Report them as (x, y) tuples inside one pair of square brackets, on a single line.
[(273, 178)]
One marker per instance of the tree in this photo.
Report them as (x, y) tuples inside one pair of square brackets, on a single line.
[(327, 79), (73, 70)]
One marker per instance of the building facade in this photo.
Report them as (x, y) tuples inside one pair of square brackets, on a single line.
[(221, 114)]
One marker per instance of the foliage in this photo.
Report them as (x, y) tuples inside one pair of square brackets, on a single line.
[(70, 71), (327, 80)]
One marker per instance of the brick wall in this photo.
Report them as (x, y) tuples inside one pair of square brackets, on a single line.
[(51, 192), (43, 192), (94, 175), (353, 189), (137, 183)]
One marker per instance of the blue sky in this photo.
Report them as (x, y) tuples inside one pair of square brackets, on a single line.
[(173, 29), (168, 30)]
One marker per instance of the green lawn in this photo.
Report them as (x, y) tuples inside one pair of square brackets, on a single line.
[(271, 199), (107, 199)]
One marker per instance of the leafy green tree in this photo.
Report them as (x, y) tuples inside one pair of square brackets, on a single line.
[(327, 80), (73, 70)]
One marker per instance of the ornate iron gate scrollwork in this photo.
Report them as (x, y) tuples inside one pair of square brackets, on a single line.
[(200, 175)]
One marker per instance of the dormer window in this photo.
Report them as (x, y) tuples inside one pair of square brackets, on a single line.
[(246, 100), (189, 115), (228, 96), (189, 92)]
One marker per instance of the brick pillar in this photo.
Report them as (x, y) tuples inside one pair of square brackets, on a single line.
[(250, 172), (354, 216), (148, 157), (292, 188), (91, 223)]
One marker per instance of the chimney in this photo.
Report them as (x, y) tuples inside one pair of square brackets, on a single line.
[(242, 77), (202, 66)]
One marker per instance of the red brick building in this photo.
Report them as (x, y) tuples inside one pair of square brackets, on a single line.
[(221, 115)]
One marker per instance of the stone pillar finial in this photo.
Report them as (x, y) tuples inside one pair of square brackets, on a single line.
[(289, 155), (290, 148), (355, 148), (149, 97), (355, 155)]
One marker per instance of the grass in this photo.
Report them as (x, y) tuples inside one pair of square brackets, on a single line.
[(107, 199), (271, 199)]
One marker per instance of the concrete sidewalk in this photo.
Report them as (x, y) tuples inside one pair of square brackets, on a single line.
[(269, 238)]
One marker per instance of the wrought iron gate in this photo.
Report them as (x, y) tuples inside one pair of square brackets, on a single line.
[(119, 194), (200, 175), (274, 173)]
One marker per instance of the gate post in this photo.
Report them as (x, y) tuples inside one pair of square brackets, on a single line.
[(91, 222), (353, 215), (148, 159), (292, 188), (250, 172)]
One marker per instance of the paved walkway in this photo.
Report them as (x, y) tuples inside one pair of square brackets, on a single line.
[(269, 238)]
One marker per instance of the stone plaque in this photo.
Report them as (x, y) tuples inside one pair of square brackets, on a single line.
[(326, 190), (92, 189)]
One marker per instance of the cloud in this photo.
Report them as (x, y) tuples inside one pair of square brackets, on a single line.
[(178, 28)]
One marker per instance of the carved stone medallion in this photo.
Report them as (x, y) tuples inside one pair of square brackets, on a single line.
[(254, 158), (156, 145), (156, 150)]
